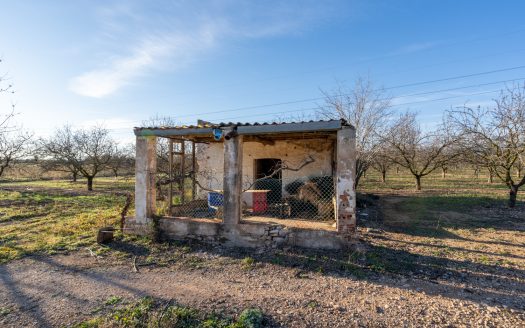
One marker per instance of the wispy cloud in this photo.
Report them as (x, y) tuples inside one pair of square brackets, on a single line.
[(415, 47), (113, 123), (179, 34), (145, 57)]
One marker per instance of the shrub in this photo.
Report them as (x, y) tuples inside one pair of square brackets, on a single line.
[(251, 318)]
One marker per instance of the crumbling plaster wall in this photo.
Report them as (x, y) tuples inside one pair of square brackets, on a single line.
[(210, 160)]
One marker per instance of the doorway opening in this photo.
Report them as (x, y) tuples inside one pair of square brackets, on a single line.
[(269, 177)]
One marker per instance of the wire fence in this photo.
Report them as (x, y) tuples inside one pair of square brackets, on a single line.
[(272, 188), (307, 198)]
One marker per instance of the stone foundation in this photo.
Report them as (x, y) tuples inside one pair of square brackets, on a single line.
[(251, 235)]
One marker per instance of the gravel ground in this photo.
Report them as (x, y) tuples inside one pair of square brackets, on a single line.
[(469, 276), (64, 289)]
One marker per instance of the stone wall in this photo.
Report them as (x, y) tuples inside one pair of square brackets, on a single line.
[(252, 235)]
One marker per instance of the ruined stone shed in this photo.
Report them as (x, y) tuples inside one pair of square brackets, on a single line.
[(254, 185)]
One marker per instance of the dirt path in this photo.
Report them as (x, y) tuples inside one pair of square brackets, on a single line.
[(413, 272), (61, 290)]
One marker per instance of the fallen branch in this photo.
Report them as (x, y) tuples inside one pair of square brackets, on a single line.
[(283, 167), (135, 268), (125, 209), (92, 253)]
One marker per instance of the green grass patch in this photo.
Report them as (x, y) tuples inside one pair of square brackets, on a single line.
[(248, 263), (148, 312), (50, 221)]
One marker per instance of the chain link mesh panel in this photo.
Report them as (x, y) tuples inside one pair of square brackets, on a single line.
[(308, 198), (269, 190)]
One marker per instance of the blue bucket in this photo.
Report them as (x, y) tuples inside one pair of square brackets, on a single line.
[(215, 199)]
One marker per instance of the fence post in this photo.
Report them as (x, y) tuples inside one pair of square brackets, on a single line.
[(345, 188)]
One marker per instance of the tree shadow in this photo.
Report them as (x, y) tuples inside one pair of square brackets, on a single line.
[(132, 249), (24, 302), (438, 215), (22, 218), (462, 280), (452, 248)]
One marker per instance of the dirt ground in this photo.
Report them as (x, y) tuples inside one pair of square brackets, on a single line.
[(399, 276)]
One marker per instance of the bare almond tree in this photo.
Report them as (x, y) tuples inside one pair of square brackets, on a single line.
[(89, 150), (13, 147), (367, 109), (418, 151), (13, 141), (163, 168), (123, 159), (495, 136), (48, 163), (382, 162)]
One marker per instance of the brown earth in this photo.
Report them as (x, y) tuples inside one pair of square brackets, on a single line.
[(453, 278)]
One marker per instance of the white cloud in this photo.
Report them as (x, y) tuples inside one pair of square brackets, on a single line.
[(114, 123), (415, 47), (174, 37), (149, 54)]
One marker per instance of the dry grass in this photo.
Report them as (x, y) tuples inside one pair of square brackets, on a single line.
[(54, 216)]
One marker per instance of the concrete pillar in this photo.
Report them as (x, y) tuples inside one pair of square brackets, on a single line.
[(232, 184), (145, 170), (344, 189)]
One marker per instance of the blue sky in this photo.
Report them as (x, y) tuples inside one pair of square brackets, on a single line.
[(120, 62)]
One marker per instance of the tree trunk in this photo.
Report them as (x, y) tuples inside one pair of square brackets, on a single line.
[(115, 172), (90, 183), (383, 176), (491, 177), (397, 169), (356, 182), (418, 182), (443, 172), (512, 195), (75, 175)]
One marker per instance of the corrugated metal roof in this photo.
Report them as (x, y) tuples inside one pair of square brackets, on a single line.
[(229, 124), (244, 128)]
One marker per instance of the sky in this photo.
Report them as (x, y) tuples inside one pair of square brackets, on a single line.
[(118, 63)]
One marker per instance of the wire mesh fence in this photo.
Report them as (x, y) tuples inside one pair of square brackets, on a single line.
[(307, 198), (296, 188)]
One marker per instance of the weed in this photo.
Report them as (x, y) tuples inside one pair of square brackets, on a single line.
[(484, 260), (148, 312), (251, 318), (277, 260), (113, 300), (4, 311), (248, 263), (375, 262), (91, 323), (194, 262)]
